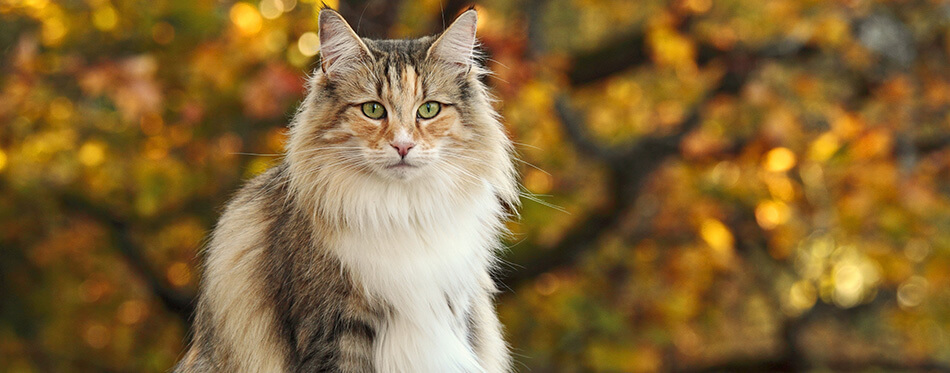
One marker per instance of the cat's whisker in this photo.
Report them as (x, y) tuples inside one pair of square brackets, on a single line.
[(450, 156), (526, 145), (529, 164), (258, 154), (499, 64), (461, 171), (544, 203), (493, 76), (463, 157)]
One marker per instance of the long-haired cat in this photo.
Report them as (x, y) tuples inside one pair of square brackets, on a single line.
[(370, 247)]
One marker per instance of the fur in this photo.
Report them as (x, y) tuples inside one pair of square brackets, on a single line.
[(349, 256)]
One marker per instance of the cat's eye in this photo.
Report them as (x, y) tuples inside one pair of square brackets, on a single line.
[(429, 110), (374, 110)]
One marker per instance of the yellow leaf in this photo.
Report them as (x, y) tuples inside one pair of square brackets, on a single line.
[(780, 187), (105, 18), (698, 6), (801, 296), (717, 236), (54, 29), (246, 18), (60, 109), (823, 147), (92, 153), (779, 160), (833, 30), (672, 49), (846, 125), (771, 214)]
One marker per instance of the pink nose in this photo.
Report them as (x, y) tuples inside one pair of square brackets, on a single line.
[(402, 147)]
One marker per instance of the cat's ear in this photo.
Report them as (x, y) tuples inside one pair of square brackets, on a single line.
[(339, 45), (457, 43)]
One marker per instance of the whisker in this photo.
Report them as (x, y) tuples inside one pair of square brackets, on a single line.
[(529, 196), (531, 165), (258, 154), (526, 145)]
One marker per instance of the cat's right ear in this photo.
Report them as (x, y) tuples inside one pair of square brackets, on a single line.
[(340, 47), (457, 43)]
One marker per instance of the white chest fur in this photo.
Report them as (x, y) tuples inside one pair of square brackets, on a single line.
[(428, 268)]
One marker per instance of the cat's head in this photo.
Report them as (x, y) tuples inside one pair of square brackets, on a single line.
[(400, 111)]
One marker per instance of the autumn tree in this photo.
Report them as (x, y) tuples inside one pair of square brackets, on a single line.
[(709, 186)]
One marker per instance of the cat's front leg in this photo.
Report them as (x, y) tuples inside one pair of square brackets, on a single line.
[(486, 333)]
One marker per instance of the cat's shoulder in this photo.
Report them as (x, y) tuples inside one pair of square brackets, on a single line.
[(257, 201), (265, 185)]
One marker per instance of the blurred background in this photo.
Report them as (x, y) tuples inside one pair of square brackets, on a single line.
[(714, 185)]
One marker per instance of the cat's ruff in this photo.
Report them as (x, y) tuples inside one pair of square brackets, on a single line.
[(428, 269)]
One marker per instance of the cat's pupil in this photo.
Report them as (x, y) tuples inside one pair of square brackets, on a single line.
[(374, 110)]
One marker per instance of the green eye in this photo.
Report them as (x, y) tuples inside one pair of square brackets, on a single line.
[(429, 110), (374, 110)]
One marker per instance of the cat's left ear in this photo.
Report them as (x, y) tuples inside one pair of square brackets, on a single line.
[(457, 43)]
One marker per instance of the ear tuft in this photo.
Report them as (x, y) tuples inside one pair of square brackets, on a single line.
[(339, 45), (457, 42)]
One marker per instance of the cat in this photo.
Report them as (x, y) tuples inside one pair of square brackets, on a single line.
[(370, 246)]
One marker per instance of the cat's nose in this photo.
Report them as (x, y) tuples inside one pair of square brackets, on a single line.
[(402, 147)]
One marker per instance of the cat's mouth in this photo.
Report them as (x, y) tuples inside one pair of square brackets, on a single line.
[(400, 164)]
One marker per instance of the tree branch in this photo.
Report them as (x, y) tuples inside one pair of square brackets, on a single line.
[(177, 302), (629, 167), (630, 51), (931, 144), (631, 163), (613, 57), (573, 124)]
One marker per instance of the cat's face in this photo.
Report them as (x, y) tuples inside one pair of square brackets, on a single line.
[(399, 109), (392, 130), (402, 116)]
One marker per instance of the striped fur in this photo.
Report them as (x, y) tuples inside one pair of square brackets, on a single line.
[(336, 261)]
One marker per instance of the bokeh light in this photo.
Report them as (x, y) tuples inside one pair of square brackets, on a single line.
[(707, 185), (246, 18), (308, 44)]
